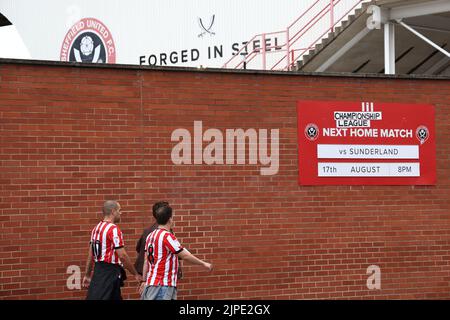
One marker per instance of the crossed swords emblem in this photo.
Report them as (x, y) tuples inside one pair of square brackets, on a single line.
[(206, 30)]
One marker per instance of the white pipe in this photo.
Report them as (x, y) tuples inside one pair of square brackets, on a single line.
[(424, 38), (389, 48)]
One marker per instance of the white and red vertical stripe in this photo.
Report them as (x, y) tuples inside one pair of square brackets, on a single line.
[(110, 238), (164, 270)]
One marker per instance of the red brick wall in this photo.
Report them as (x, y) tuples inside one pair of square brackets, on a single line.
[(72, 137)]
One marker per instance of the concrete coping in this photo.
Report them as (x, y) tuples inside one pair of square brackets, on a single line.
[(4, 61)]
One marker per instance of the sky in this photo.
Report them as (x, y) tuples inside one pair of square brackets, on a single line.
[(11, 45)]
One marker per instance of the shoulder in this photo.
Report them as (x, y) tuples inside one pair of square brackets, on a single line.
[(114, 229), (170, 236), (166, 234), (114, 226), (150, 234), (97, 226)]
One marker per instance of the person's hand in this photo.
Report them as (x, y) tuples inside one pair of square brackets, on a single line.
[(86, 281), (141, 287), (138, 277), (208, 266)]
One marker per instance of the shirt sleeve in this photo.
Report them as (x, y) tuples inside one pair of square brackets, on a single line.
[(171, 242), (117, 238), (92, 236), (147, 242)]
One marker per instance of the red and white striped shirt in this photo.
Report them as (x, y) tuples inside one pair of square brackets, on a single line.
[(162, 248), (106, 237)]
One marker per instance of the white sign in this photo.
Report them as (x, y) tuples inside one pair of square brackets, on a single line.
[(368, 169), (355, 151)]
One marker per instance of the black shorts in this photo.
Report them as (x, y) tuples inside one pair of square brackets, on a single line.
[(106, 282)]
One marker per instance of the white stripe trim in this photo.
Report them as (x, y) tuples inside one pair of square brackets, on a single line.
[(166, 270), (113, 256)]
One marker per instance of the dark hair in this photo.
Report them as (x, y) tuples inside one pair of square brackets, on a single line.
[(109, 206), (163, 214), (158, 205)]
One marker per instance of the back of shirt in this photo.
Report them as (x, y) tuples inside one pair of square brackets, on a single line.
[(140, 248), (106, 238), (162, 248)]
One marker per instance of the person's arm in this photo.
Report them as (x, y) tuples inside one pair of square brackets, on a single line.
[(189, 257), (123, 256), (87, 276), (145, 268), (180, 269), (144, 273)]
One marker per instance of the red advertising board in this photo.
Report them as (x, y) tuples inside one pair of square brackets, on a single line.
[(366, 143)]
